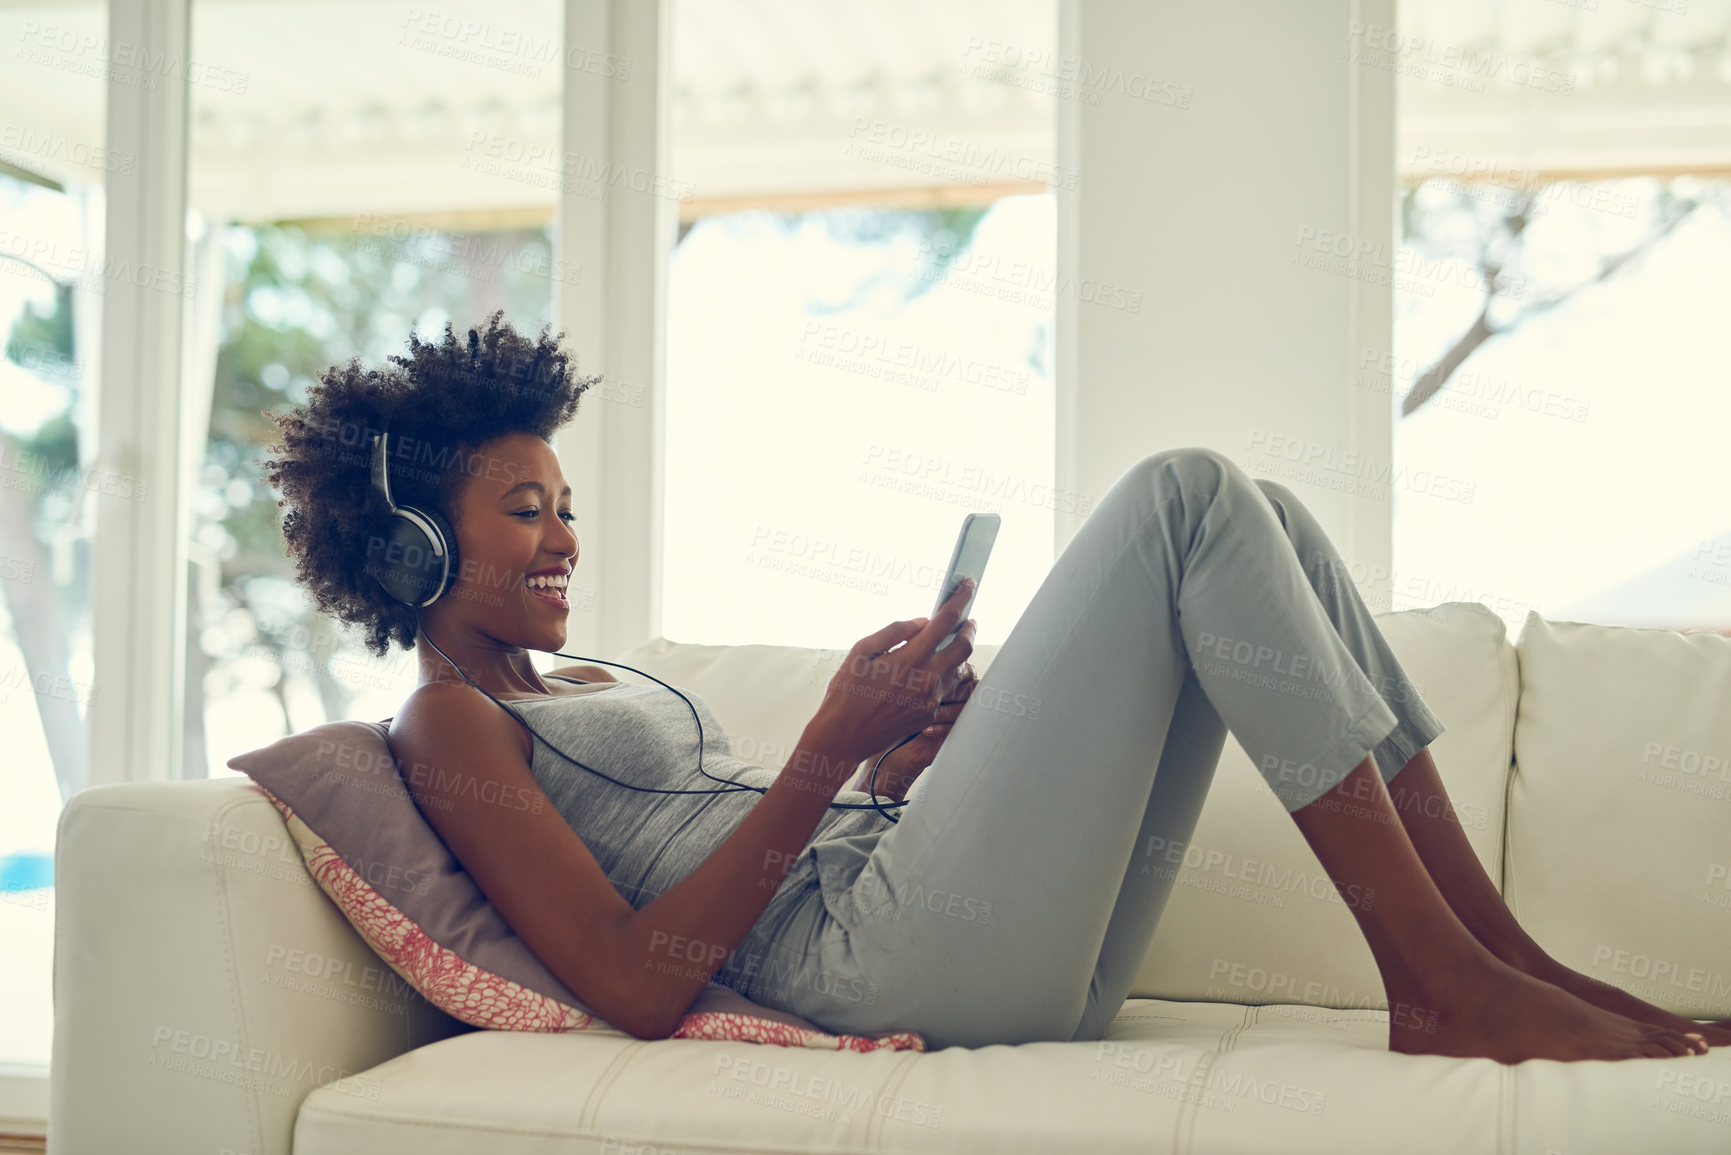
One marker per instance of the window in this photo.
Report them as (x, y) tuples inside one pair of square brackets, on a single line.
[(393, 179), (1562, 287), (859, 332), (1588, 424), (53, 160)]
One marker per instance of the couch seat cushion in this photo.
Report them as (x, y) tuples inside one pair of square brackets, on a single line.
[(1185, 1077)]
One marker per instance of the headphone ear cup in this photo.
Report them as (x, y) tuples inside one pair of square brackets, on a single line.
[(441, 583), (417, 565)]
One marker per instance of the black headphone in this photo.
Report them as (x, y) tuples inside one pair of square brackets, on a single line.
[(419, 546), (419, 566)]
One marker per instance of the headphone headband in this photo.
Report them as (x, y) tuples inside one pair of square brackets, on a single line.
[(381, 477)]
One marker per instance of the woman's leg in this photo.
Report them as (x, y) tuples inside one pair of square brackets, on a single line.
[(1418, 795), (1181, 782), (1335, 591), (1447, 994), (1176, 799), (981, 916), (1429, 818)]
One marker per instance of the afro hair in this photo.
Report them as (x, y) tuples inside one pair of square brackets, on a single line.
[(451, 397)]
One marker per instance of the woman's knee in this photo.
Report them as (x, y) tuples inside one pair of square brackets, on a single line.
[(1282, 499), (1300, 524), (1188, 481), (1191, 469), (1288, 505)]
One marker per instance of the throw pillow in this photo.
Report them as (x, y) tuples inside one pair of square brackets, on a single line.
[(371, 851)]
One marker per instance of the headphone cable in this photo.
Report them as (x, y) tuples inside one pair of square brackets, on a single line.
[(734, 786)]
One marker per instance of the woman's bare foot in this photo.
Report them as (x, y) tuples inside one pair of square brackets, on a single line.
[(1618, 1001), (1453, 865), (1507, 1015), (1449, 993)]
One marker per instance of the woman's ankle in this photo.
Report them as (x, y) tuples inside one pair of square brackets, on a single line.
[(1518, 950)]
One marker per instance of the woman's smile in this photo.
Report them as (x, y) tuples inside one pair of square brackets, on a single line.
[(548, 588)]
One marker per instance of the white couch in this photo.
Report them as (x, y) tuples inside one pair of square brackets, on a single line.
[(210, 1000)]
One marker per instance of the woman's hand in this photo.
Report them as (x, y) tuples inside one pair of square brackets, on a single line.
[(892, 683), (902, 764)]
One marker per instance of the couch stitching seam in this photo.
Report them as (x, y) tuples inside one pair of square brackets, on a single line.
[(1190, 1107), (610, 1075), (892, 1083)]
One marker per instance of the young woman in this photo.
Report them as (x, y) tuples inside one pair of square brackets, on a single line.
[(1013, 898)]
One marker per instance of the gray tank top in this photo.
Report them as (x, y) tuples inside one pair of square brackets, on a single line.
[(644, 735)]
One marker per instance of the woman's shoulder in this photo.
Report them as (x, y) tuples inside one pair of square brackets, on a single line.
[(435, 709), (583, 673)]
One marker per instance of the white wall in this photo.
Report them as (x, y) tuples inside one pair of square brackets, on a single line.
[(1191, 207)]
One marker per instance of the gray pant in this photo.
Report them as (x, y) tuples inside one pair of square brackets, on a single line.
[(1010, 903)]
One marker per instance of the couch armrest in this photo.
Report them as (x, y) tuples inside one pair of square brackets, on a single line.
[(203, 984)]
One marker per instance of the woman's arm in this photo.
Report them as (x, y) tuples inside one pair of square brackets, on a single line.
[(467, 762)]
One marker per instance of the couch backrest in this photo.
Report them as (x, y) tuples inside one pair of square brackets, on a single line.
[(1619, 842), (1252, 918)]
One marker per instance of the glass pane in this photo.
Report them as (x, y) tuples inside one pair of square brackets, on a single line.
[(52, 164), (885, 397), (1589, 424), (860, 316), (1563, 277), (353, 189)]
